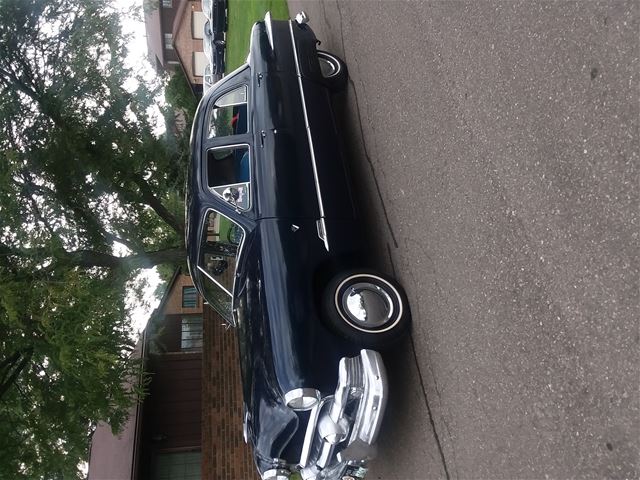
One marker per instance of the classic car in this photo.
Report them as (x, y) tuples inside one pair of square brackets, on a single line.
[(216, 12), (214, 47), (274, 246), (209, 78)]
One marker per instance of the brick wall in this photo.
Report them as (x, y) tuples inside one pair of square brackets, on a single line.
[(225, 456), (173, 303), (185, 44), (167, 17)]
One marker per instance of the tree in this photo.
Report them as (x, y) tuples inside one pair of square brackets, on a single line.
[(179, 95), (62, 369), (89, 194)]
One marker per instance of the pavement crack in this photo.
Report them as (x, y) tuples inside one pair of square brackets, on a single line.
[(371, 167), (361, 128), (418, 314), (429, 412), (393, 265), (344, 52)]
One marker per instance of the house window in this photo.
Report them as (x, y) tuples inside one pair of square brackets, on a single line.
[(167, 3), (177, 466), (168, 41), (191, 334), (199, 62), (189, 297), (197, 24)]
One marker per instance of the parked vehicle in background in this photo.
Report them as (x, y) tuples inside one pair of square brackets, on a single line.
[(214, 48), (216, 12), (274, 246), (209, 78)]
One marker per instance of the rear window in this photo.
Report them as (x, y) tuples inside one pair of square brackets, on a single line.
[(229, 114), (228, 166), (229, 169)]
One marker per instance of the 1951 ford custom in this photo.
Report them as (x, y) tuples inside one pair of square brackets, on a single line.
[(273, 245)]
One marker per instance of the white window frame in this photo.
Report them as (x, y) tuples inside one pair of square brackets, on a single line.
[(168, 41), (195, 59), (198, 19), (191, 344)]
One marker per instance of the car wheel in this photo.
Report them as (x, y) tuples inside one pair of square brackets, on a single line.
[(333, 71), (367, 308)]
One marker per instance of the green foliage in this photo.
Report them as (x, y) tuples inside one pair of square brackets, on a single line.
[(179, 95), (242, 15), (89, 194), (78, 354)]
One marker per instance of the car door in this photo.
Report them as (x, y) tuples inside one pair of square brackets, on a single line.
[(283, 163), (227, 150)]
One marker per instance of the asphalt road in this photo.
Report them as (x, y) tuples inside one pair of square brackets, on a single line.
[(495, 150)]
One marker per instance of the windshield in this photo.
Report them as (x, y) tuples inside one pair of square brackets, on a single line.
[(217, 262)]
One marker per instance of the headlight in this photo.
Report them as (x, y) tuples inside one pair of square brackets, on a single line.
[(302, 398), (276, 474)]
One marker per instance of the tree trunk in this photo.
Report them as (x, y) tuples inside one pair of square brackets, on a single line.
[(154, 202), (89, 258)]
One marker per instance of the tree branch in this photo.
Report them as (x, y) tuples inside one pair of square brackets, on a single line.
[(89, 259), (10, 360), (154, 202), (17, 370), (92, 258)]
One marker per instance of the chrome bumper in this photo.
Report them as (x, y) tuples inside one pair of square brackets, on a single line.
[(343, 428)]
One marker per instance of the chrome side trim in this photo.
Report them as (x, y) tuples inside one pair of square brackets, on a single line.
[(269, 27), (245, 427), (214, 281), (321, 226), (308, 128)]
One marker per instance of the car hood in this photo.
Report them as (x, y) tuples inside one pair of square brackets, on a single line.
[(272, 426), (283, 344)]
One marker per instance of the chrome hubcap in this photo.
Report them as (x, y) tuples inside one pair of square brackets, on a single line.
[(367, 305)]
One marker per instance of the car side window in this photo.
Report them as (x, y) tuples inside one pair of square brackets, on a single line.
[(229, 114), (229, 174), (219, 249)]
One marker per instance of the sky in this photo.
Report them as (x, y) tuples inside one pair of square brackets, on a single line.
[(134, 27), (137, 60)]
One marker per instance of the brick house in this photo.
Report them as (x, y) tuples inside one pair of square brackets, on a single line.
[(189, 426), (174, 30)]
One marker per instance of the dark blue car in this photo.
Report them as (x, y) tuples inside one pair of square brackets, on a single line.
[(274, 241)]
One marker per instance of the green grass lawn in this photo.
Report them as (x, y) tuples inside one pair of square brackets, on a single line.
[(242, 15)]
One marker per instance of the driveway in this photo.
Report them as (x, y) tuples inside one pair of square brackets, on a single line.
[(494, 147)]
